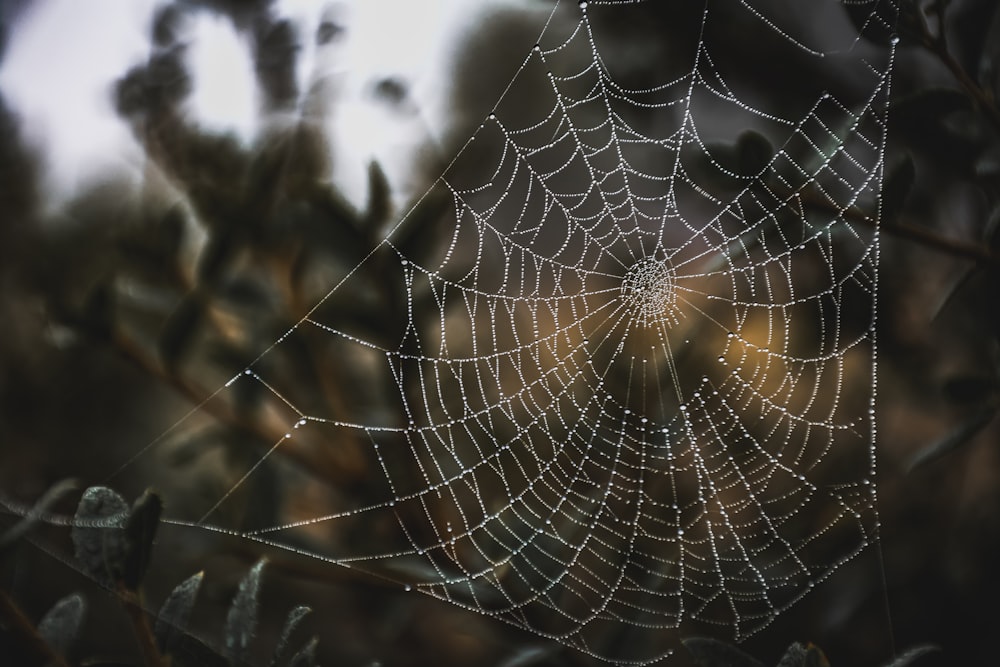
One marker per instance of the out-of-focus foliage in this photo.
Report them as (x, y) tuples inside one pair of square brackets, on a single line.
[(132, 309)]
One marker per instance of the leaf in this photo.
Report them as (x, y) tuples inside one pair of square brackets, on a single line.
[(956, 288), (753, 153), (928, 105), (276, 55), (708, 652), (39, 509), (179, 331), (991, 227), (794, 656), (174, 613), (98, 537), (815, 657), (140, 529), (896, 189), (306, 657), (379, 200), (913, 656), (98, 313), (923, 120), (530, 655), (974, 388), (987, 66), (222, 246), (241, 621), (61, 624), (415, 235), (295, 616), (957, 438), (167, 26), (876, 20)]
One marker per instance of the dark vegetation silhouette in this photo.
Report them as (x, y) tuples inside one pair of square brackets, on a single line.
[(114, 329)]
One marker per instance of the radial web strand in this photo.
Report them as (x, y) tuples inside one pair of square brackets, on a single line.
[(622, 390)]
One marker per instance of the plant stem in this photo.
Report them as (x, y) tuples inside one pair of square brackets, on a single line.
[(972, 251), (140, 624), (23, 629), (938, 45)]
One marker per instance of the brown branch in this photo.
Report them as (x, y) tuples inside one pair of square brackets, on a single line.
[(34, 647), (140, 624), (216, 406), (972, 251), (938, 45)]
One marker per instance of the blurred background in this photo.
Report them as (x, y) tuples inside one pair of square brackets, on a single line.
[(181, 181)]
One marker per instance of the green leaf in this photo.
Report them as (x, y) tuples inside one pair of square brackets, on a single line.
[(962, 435), (928, 120), (986, 18), (970, 389), (876, 20), (98, 534), (708, 652), (295, 616), (415, 236), (912, 657), (140, 529), (60, 626), (928, 105), (222, 246), (753, 153), (241, 621), (795, 656), (896, 188), (379, 200), (174, 614), (525, 656), (306, 657), (180, 330), (167, 26)]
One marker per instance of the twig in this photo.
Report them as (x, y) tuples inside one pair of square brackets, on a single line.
[(938, 45), (22, 628), (972, 251), (143, 631), (215, 405)]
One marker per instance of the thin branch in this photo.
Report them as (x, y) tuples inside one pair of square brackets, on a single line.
[(25, 631), (143, 630), (218, 407), (971, 251), (938, 45)]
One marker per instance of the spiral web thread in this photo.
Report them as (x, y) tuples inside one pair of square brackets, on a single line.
[(626, 389)]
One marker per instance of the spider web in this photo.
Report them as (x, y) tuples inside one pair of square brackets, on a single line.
[(625, 387)]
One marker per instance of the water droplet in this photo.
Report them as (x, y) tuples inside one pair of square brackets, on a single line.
[(583, 4), (722, 360), (894, 39)]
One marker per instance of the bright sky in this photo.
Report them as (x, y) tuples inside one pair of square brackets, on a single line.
[(64, 55)]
